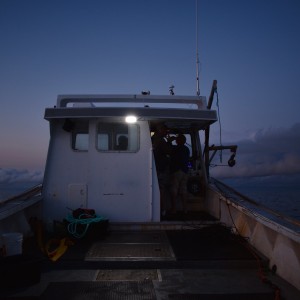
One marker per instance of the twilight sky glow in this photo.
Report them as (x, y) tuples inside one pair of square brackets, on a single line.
[(51, 47)]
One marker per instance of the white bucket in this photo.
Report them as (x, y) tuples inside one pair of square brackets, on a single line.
[(13, 243)]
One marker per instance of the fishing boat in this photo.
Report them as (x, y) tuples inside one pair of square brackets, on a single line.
[(116, 188)]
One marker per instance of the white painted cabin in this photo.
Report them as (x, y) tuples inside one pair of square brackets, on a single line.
[(86, 167)]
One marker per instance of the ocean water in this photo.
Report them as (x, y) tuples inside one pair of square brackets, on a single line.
[(283, 197), (279, 194)]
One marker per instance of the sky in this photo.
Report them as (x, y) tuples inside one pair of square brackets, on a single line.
[(251, 47)]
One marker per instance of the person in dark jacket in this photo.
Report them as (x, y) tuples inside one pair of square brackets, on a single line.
[(162, 150), (179, 161)]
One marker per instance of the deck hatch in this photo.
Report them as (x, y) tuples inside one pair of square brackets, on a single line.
[(131, 246)]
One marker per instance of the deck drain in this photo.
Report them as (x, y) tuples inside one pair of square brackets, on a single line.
[(127, 275), (135, 251)]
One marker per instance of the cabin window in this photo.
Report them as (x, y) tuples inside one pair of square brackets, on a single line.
[(117, 137), (80, 137)]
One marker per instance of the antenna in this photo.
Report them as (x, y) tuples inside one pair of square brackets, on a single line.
[(197, 53)]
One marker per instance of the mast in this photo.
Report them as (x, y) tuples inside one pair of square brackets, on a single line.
[(197, 53)]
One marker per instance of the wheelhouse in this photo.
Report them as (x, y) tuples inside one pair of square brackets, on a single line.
[(89, 166)]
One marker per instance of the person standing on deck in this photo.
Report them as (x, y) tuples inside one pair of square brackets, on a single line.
[(179, 172), (162, 150)]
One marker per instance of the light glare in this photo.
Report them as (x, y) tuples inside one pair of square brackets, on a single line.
[(130, 119)]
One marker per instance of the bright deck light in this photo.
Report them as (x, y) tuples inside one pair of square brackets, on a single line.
[(130, 119)]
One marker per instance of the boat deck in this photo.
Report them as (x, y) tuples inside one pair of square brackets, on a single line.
[(196, 263)]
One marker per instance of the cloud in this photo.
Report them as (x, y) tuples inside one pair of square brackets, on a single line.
[(8, 176), (273, 151)]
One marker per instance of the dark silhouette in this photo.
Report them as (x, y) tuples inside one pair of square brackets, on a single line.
[(179, 172), (122, 143)]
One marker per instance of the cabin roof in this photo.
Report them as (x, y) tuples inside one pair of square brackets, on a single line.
[(177, 111), (132, 100)]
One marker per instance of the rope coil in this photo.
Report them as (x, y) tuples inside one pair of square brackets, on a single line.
[(84, 220)]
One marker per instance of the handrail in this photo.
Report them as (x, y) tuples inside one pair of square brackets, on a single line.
[(20, 202), (269, 210), (26, 194), (63, 100)]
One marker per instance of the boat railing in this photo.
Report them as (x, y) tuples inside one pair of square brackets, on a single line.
[(291, 224), (271, 233), (190, 102), (20, 202)]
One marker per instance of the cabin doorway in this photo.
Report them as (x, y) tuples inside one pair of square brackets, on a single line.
[(193, 208)]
